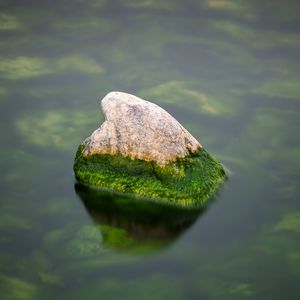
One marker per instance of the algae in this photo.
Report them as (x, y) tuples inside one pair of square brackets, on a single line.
[(60, 128), (79, 63), (205, 101), (87, 242), (9, 22), (22, 67), (15, 288), (189, 181), (241, 9)]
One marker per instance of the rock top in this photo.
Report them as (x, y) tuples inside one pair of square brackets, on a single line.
[(139, 129)]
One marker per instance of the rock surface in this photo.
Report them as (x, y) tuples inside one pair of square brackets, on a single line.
[(139, 129), (143, 151)]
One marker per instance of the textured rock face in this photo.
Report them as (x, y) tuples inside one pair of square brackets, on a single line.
[(139, 129)]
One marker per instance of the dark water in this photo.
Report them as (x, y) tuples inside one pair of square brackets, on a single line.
[(228, 70)]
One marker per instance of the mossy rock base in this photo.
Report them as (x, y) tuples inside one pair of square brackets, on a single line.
[(186, 182)]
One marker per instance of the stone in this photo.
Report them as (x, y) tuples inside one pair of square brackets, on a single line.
[(139, 129), (141, 149)]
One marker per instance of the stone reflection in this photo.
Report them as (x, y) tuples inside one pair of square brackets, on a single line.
[(131, 223)]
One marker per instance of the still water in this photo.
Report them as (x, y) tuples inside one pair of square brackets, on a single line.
[(228, 70)]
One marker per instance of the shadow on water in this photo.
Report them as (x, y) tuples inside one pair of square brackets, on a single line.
[(143, 221)]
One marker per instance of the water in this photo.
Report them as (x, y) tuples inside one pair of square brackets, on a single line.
[(229, 71)]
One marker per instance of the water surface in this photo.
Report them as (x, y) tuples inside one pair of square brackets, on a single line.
[(229, 71)]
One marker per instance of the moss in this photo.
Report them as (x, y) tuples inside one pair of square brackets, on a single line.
[(188, 182)]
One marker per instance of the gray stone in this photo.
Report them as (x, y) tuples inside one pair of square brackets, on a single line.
[(139, 129)]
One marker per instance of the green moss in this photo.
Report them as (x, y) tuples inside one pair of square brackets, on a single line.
[(188, 182)]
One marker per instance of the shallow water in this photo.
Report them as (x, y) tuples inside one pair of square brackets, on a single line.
[(229, 71)]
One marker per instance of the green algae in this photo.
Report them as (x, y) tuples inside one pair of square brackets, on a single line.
[(23, 67), (204, 101), (167, 5), (290, 222), (242, 9), (189, 181), (12, 222), (58, 128), (12, 288), (51, 279), (283, 86), (87, 242), (294, 261), (9, 22), (242, 289), (79, 63)]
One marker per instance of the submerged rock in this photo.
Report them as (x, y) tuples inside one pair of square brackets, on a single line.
[(141, 149)]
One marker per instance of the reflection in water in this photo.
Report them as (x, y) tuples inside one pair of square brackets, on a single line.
[(141, 221)]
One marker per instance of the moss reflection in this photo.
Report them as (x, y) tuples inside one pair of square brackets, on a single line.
[(129, 223)]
